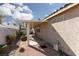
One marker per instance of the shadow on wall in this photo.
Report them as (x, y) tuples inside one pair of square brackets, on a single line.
[(71, 14), (53, 36), (62, 45), (52, 33), (43, 47)]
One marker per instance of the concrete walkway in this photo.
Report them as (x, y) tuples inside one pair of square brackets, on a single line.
[(34, 50), (28, 51)]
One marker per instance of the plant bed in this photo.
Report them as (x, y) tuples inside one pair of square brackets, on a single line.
[(21, 50), (43, 46), (2, 48), (10, 39), (17, 46), (61, 53), (23, 38), (19, 34)]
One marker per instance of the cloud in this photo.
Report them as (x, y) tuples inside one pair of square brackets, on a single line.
[(4, 23), (17, 13), (22, 16), (25, 16), (9, 6), (4, 11), (19, 9), (17, 4), (26, 8), (50, 4)]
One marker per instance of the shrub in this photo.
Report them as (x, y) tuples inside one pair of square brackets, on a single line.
[(19, 34), (23, 38), (10, 39), (2, 48)]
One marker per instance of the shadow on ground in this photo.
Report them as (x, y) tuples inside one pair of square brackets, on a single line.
[(46, 50)]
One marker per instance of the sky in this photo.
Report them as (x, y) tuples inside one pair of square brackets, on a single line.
[(35, 11), (42, 10)]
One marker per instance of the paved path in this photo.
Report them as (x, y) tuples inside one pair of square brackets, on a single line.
[(34, 50), (28, 51)]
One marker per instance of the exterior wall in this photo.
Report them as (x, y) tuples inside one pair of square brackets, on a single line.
[(63, 28), (4, 31)]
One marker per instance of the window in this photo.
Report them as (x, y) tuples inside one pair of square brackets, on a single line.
[(38, 29)]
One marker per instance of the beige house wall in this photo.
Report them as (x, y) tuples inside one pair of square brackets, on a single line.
[(63, 28)]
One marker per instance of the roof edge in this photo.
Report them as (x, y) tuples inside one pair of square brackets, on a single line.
[(60, 11)]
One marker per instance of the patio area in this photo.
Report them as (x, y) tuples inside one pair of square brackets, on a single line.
[(34, 49), (37, 47)]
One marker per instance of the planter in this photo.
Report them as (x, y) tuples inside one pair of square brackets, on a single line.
[(22, 50), (23, 38)]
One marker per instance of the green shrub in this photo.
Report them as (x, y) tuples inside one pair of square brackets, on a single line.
[(2, 48), (1, 45), (23, 38), (19, 34), (10, 39)]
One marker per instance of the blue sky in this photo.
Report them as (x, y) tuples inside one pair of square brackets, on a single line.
[(41, 10), (37, 10)]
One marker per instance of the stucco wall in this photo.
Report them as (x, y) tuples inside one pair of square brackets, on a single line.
[(4, 31), (65, 29)]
